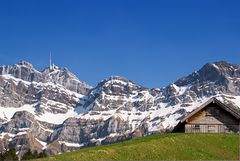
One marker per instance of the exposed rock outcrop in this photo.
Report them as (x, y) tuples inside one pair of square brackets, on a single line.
[(53, 111)]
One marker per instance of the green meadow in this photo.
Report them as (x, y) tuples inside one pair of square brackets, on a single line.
[(175, 146)]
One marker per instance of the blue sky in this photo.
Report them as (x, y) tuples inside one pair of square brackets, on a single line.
[(152, 42)]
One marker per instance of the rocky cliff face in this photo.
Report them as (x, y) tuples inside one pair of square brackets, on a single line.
[(24, 71), (54, 112)]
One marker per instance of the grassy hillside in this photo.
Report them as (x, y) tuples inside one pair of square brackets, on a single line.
[(163, 147)]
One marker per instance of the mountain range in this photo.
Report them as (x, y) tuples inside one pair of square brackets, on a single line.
[(52, 111)]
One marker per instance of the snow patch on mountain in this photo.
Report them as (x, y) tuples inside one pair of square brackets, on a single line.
[(6, 113), (57, 109)]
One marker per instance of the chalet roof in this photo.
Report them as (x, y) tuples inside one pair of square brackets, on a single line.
[(227, 107)]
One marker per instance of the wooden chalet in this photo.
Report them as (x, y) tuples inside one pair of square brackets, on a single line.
[(211, 117)]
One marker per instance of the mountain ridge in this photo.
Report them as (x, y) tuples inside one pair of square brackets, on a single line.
[(53, 111)]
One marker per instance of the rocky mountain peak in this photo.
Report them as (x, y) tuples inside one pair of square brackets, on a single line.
[(228, 69), (117, 80), (211, 72), (25, 71), (116, 85), (50, 69), (63, 76), (111, 93), (53, 118), (22, 70), (25, 64), (114, 77), (55, 72)]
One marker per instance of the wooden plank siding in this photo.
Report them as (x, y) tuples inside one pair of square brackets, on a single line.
[(212, 119), (201, 128)]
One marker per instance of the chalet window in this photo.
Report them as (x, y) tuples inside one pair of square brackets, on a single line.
[(211, 128), (197, 126)]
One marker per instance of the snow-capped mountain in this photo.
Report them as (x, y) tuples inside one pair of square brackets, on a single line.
[(53, 111)]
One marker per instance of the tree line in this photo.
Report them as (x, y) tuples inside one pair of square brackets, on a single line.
[(10, 155)]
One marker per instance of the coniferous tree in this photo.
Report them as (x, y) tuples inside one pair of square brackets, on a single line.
[(9, 155), (1, 156), (32, 155)]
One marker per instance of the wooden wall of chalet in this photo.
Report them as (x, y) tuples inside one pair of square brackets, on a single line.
[(212, 119)]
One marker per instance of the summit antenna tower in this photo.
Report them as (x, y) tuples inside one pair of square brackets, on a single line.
[(50, 60)]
